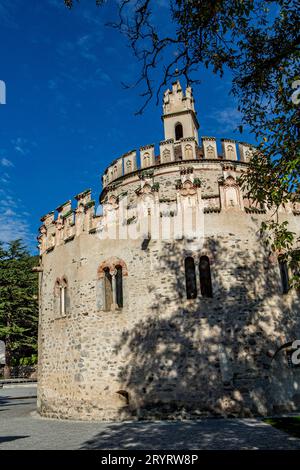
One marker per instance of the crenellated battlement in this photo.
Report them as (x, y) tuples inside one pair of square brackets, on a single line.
[(63, 225), (181, 171), (159, 198), (170, 151)]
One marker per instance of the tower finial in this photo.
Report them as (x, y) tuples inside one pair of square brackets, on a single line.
[(178, 108)]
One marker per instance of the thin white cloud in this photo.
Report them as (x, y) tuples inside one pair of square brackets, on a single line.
[(22, 146), (94, 79), (5, 178), (227, 119), (9, 212), (5, 162), (86, 46), (53, 84), (12, 224)]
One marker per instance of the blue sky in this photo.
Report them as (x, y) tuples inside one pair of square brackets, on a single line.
[(67, 115)]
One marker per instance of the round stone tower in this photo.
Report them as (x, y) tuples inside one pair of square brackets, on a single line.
[(168, 304)]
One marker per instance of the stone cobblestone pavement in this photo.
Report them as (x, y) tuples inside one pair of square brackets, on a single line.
[(22, 428)]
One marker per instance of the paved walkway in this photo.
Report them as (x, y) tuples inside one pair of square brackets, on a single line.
[(21, 428)]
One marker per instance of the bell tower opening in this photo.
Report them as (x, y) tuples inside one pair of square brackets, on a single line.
[(179, 116), (178, 131)]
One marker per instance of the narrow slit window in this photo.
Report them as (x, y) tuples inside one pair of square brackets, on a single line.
[(190, 278), (63, 297), (284, 274), (205, 277), (62, 300), (119, 286), (108, 289)]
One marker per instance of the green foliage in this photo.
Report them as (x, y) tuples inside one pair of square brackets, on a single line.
[(69, 3), (18, 301), (147, 173), (28, 361), (64, 216), (197, 182), (155, 186), (282, 241), (89, 204), (25, 361), (290, 425), (131, 220)]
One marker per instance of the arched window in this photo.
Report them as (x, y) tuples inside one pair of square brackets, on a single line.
[(205, 277), (190, 278), (178, 131), (146, 159), (247, 156), (188, 152), (166, 156), (284, 274), (119, 286), (230, 152), (210, 152), (110, 292), (108, 289), (63, 296), (56, 304), (57, 288)]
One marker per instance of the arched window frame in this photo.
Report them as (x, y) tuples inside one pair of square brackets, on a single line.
[(230, 152), (178, 130), (205, 277), (61, 295), (190, 278), (188, 151), (147, 159), (108, 289), (166, 156), (210, 152), (116, 267)]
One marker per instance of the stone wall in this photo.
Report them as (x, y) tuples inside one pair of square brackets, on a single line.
[(219, 190), (186, 149), (162, 355)]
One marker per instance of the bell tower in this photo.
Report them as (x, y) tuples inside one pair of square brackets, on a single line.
[(179, 116)]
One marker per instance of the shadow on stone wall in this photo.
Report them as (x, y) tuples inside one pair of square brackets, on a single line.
[(212, 357)]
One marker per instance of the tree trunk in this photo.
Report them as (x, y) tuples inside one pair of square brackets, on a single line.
[(6, 372)]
